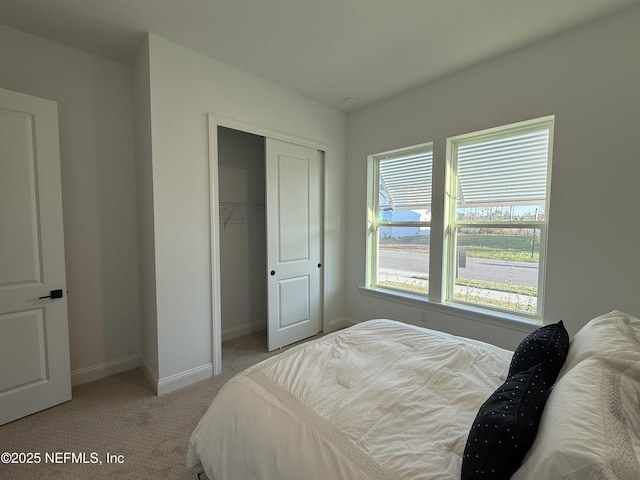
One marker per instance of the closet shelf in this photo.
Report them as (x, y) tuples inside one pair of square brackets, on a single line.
[(237, 212)]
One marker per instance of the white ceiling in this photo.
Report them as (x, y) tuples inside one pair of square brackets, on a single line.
[(326, 50)]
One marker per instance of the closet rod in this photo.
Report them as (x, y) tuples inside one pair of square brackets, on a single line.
[(236, 212), (242, 204)]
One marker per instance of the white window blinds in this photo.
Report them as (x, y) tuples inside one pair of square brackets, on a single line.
[(405, 178), (508, 170)]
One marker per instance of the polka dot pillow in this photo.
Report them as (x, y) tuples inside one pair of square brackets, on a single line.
[(505, 427), (547, 346)]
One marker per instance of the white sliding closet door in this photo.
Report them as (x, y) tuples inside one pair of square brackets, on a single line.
[(294, 229)]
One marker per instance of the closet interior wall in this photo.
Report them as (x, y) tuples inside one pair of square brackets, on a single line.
[(243, 261)]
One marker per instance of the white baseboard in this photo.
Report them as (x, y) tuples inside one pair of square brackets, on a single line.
[(182, 379), (96, 372)]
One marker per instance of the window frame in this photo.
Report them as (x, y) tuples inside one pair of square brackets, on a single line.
[(441, 258), (374, 222), (451, 223)]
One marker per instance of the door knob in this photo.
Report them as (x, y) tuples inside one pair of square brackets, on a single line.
[(273, 272), (53, 294)]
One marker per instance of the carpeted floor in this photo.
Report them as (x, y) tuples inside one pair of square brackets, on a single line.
[(118, 427)]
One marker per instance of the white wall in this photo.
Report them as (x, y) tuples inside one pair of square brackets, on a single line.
[(243, 250), (184, 87), (589, 79), (98, 191), (144, 202)]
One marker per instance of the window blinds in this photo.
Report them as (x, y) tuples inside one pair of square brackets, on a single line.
[(405, 178), (510, 170)]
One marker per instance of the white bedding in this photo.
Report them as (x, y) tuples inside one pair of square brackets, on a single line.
[(590, 428), (380, 400)]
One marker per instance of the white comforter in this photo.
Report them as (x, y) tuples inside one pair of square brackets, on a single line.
[(379, 400)]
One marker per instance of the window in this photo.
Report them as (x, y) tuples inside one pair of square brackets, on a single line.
[(400, 219), (493, 208), (496, 210)]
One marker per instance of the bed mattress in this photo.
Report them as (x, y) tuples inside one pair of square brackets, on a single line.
[(379, 400)]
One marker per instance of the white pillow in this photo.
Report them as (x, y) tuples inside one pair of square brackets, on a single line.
[(615, 335), (590, 426)]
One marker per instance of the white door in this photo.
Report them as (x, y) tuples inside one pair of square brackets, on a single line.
[(34, 339), (294, 219)]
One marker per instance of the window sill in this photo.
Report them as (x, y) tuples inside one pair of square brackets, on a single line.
[(466, 312)]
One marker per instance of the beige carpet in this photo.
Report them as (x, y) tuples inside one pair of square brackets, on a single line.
[(121, 416)]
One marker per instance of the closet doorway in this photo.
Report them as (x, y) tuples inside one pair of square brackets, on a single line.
[(266, 239), (242, 227)]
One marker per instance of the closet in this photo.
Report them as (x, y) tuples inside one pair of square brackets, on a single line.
[(243, 255), (270, 237)]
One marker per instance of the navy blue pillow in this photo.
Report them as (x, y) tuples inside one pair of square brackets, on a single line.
[(547, 346), (505, 427)]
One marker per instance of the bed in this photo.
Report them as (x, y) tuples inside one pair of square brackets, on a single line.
[(387, 400)]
